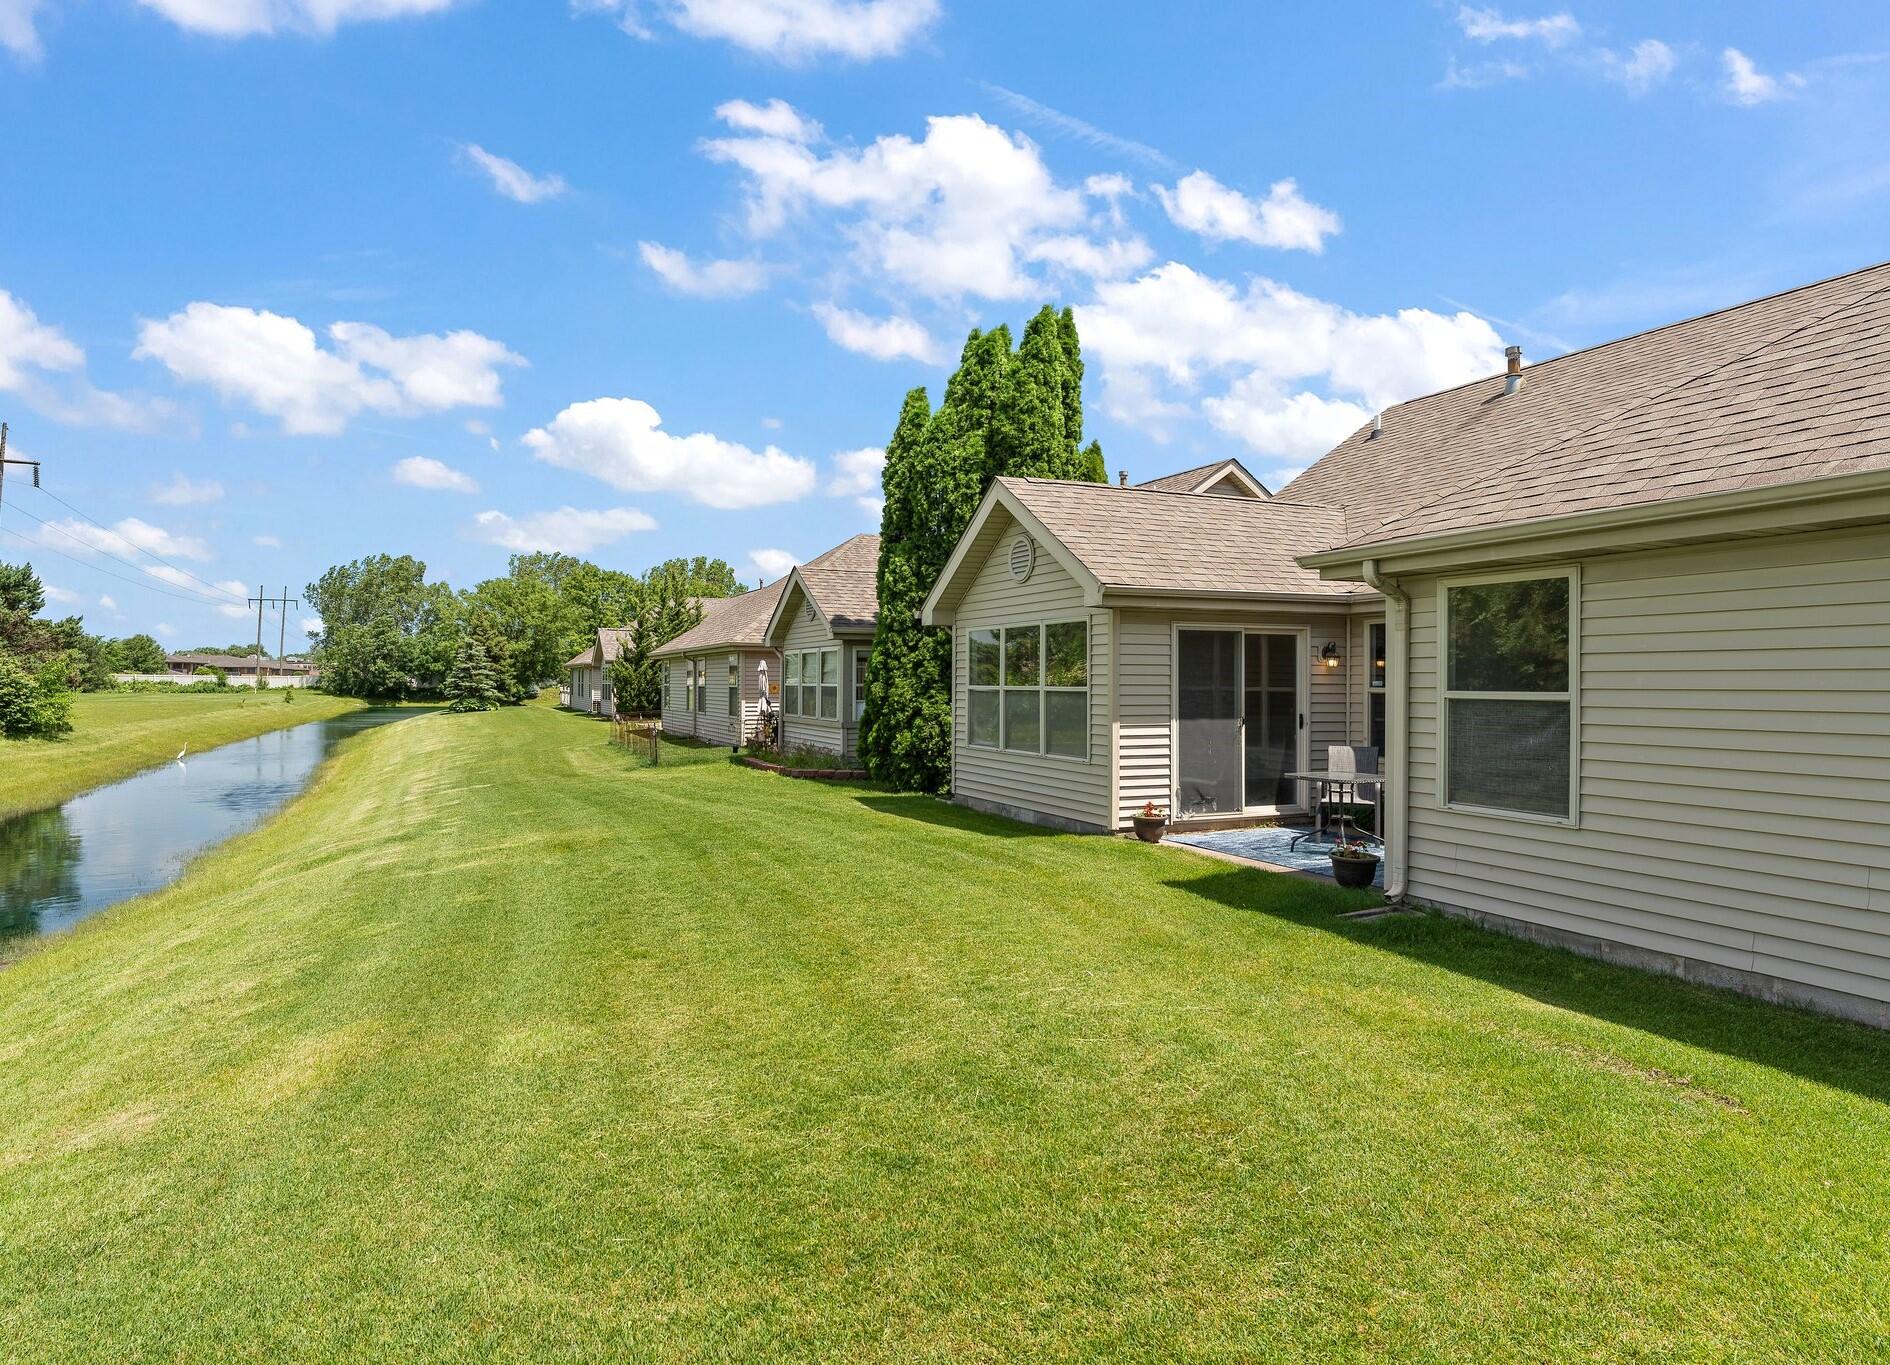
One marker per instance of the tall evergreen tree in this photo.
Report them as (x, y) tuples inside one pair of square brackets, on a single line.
[(474, 682), (1003, 413)]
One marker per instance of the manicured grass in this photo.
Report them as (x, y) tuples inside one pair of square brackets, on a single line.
[(496, 1046), (114, 734)]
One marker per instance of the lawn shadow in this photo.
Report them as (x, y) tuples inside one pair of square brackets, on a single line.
[(931, 810), (1816, 1047)]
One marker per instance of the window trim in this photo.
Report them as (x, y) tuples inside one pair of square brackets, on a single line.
[(1042, 688), (860, 655), (802, 709), (1573, 696), (735, 684)]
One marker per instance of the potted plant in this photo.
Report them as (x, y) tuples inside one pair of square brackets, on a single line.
[(1354, 864), (1151, 822)]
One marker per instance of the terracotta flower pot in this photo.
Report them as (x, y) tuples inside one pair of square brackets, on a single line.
[(1150, 828)]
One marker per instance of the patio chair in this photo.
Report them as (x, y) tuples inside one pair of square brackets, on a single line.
[(1352, 758)]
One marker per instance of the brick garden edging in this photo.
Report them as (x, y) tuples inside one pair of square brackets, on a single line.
[(817, 774)]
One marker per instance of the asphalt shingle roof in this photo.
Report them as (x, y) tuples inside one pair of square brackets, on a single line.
[(1778, 390), (1188, 480), (844, 583), (1138, 538)]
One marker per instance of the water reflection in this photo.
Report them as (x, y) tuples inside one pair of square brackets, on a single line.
[(58, 866)]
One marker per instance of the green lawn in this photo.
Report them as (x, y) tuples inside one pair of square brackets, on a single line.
[(114, 734), (496, 1046)]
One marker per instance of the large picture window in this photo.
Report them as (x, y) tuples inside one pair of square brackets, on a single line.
[(812, 686), (1028, 689), (1510, 650)]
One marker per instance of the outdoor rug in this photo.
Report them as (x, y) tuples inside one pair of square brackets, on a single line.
[(1268, 844)]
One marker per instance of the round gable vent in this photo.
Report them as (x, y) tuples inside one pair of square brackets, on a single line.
[(1023, 558)]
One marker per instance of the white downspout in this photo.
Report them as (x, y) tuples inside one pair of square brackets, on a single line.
[(1397, 701)]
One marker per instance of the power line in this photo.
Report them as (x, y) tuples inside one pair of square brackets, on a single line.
[(97, 568), (229, 601), (115, 535)]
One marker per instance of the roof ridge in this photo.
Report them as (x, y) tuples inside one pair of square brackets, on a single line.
[(1619, 414), (1170, 492)]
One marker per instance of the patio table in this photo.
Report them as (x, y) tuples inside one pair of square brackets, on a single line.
[(1342, 786)]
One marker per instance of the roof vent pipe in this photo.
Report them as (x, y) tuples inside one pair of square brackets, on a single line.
[(1122, 478), (1512, 374), (1378, 426)]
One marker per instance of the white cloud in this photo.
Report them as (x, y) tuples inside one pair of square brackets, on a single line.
[(771, 423), (243, 18), (1284, 219), (513, 180), (1108, 260), (266, 542), (1647, 64), (776, 118), (422, 471), (1477, 75), (621, 441), (46, 368), (1071, 126), (277, 366), (857, 471), (771, 564), (567, 529), (1489, 25), (1745, 84), (881, 338), (1298, 369), (181, 492), (945, 216), (65, 597), (18, 33), (786, 30), (107, 601), (311, 625), (122, 537), (703, 279)]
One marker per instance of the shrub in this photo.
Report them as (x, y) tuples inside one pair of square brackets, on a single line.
[(33, 706)]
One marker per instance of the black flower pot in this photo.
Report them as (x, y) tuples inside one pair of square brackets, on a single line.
[(1150, 828), (1353, 872)]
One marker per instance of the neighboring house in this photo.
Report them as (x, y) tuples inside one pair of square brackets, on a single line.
[(240, 667), (1226, 478), (590, 673), (823, 630), (1114, 646), (1639, 682), (712, 673)]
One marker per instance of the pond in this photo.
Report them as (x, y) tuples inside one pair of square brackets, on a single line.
[(59, 865)]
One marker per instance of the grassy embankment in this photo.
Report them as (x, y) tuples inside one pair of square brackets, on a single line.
[(114, 734), (495, 1045)]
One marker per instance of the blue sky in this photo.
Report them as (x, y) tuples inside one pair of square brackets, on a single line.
[(284, 282)]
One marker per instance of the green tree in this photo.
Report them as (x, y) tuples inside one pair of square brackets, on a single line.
[(474, 682), (138, 654), (384, 602), (1003, 414), (669, 604), (699, 577)]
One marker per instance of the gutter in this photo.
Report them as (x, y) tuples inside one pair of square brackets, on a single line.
[(1397, 834)]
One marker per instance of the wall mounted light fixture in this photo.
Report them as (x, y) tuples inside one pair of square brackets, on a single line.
[(1329, 656)]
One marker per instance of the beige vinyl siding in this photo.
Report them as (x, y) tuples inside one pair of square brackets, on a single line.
[(1734, 766), (713, 723), (1146, 658), (1067, 788), (837, 736)]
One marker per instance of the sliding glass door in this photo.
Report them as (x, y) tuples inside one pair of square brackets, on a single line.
[(1207, 713), (1270, 696), (1238, 712)]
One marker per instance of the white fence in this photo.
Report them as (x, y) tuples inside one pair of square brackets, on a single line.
[(287, 680)]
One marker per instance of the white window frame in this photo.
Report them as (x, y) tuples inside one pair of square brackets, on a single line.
[(1042, 688), (823, 654), (861, 654), (1573, 696), (735, 684)]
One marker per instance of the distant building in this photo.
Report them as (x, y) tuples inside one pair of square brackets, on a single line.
[(238, 666)]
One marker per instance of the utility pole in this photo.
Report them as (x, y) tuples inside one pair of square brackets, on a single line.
[(5, 461), (259, 602)]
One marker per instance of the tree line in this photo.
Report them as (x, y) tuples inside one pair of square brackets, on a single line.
[(389, 632)]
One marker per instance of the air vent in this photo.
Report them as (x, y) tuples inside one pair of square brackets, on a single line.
[(1023, 558), (807, 608)]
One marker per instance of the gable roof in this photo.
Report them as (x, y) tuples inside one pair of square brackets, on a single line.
[(609, 639), (1787, 388), (1208, 477), (738, 622), (842, 584), (1137, 541)]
